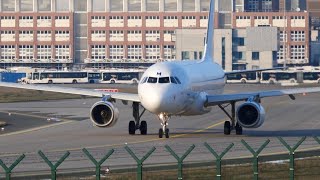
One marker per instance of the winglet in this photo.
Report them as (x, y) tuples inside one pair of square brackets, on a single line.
[(208, 48)]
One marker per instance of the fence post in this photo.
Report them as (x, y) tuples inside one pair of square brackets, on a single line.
[(7, 169), (139, 161), (218, 157), (53, 167), (96, 163), (291, 154), (255, 156), (180, 159)]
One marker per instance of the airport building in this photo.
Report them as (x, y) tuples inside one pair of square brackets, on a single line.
[(94, 33)]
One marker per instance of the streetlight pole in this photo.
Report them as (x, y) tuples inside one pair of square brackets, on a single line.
[(285, 35)]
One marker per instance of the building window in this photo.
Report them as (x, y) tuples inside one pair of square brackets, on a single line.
[(134, 52), (283, 36), (26, 5), (152, 35), (44, 5), (188, 5), (8, 5), (26, 52), (255, 55), (266, 5), (62, 52), (8, 52), (80, 5), (204, 5), (116, 5), (116, 52), (44, 52), (298, 36), (253, 5), (98, 52), (170, 5), (298, 52), (99, 5), (134, 5), (237, 56), (62, 5), (185, 55), (152, 52), (238, 41), (169, 52), (152, 5), (223, 53)]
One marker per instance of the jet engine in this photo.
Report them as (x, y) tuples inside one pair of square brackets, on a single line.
[(104, 114), (250, 115)]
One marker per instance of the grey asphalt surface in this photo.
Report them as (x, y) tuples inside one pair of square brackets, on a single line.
[(71, 130)]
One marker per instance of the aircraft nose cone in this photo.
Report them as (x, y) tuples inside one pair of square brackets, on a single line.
[(153, 103)]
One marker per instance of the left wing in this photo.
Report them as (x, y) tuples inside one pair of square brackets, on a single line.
[(76, 91), (213, 100)]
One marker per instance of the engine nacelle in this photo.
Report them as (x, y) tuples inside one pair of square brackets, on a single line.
[(250, 115), (197, 107), (104, 114)]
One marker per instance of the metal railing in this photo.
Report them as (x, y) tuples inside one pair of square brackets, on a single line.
[(180, 159)]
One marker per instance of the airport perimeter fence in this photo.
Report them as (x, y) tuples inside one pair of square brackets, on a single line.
[(288, 166)]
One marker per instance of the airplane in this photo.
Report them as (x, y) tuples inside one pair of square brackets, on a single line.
[(181, 88)]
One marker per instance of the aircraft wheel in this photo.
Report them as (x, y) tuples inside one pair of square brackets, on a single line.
[(167, 133), (227, 128), (132, 127), (143, 128), (160, 133), (238, 129)]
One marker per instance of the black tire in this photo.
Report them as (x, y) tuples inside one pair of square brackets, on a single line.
[(134, 81), (143, 128), (271, 82), (227, 128), (160, 133), (132, 127), (74, 81), (112, 82), (167, 133), (50, 82), (238, 129), (243, 81)]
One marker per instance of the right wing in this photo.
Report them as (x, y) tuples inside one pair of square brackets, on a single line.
[(213, 100), (76, 91)]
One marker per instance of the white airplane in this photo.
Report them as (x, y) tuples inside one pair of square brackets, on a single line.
[(183, 88)]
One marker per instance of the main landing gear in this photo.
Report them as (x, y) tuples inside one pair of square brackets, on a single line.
[(164, 123), (231, 125), (136, 124)]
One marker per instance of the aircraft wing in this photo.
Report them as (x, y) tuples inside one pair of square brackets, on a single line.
[(76, 91), (253, 70), (213, 100)]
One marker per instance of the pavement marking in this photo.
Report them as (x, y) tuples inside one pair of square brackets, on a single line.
[(63, 121), (35, 129)]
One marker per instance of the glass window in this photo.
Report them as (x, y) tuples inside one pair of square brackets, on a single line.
[(62, 5), (204, 5), (99, 5), (255, 56), (152, 5), (170, 5), (185, 55), (173, 80), (188, 5), (179, 82), (44, 5), (80, 5), (116, 5), (26, 5), (8, 5), (134, 5), (164, 80), (152, 80)]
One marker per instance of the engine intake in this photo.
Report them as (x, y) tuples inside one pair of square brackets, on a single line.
[(104, 114), (250, 115)]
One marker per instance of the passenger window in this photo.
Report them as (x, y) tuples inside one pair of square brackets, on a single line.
[(173, 80), (164, 80), (177, 80), (152, 80)]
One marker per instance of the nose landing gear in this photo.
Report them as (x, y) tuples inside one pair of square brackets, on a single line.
[(164, 123)]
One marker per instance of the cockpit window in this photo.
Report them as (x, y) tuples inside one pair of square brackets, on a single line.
[(173, 80), (164, 80), (144, 80), (152, 80), (178, 81)]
